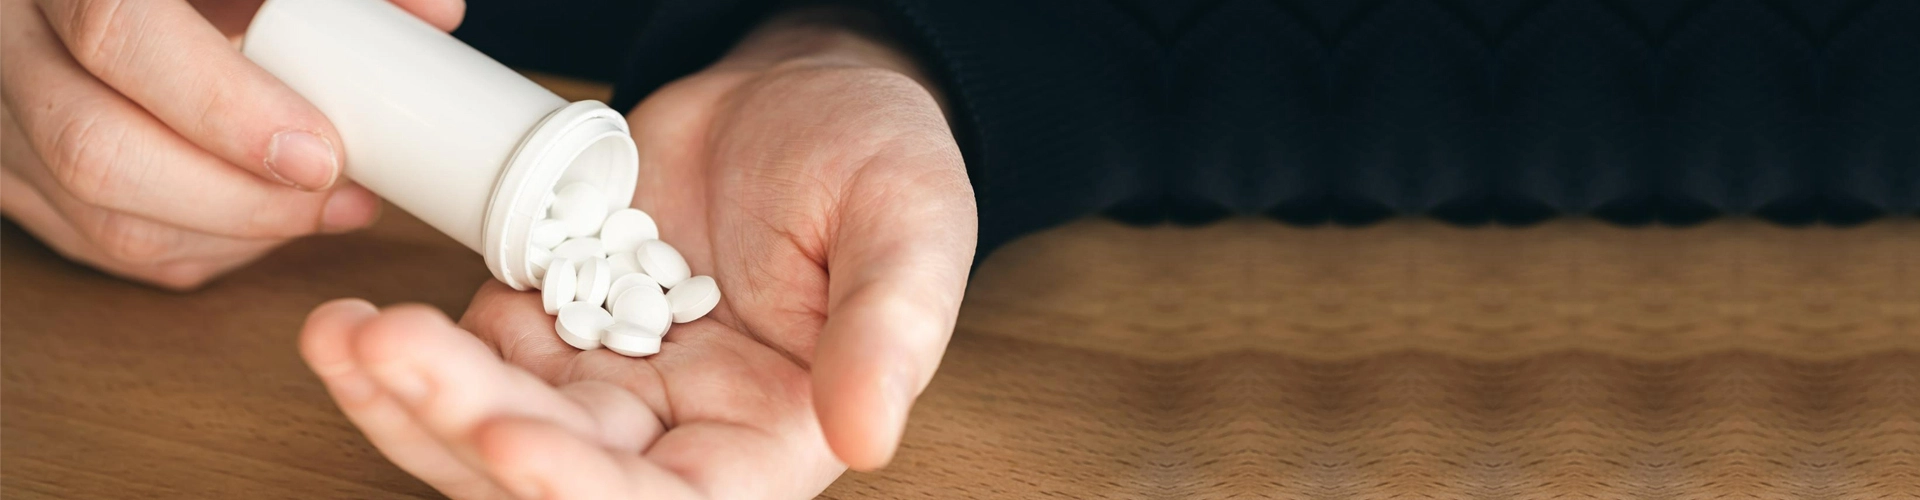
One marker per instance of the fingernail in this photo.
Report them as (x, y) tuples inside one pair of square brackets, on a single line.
[(405, 385), (348, 209), (303, 160)]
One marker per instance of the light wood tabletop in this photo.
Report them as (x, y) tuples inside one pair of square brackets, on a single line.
[(1408, 359), (1096, 360)]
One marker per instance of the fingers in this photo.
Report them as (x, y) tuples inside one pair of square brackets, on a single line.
[(34, 213), (451, 383), (728, 460), (519, 330), (443, 14), (165, 57), (327, 345), (741, 427), (120, 237), (539, 460), (439, 388), (899, 261), (120, 245), (106, 151), (625, 423)]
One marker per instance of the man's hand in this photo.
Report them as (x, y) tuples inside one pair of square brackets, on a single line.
[(815, 178), (139, 140)]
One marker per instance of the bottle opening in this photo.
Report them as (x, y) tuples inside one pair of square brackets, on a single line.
[(608, 162), (583, 142)]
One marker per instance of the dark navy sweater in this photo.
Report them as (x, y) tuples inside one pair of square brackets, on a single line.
[(1310, 111)]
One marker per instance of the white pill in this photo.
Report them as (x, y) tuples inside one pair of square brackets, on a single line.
[(580, 249), (582, 325), (540, 259), (581, 207), (626, 228), (591, 285), (662, 262), (645, 307), (631, 340), (546, 234), (628, 282), (556, 288), (693, 298), (623, 264)]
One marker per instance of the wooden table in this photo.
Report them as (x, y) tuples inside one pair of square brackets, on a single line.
[(1098, 360), (1408, 359)]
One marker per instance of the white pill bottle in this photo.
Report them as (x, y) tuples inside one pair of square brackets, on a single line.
[(439, 129)]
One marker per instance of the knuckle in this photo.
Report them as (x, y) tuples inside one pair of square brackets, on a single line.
[(216, 102), (85, 159), (133, 242), (276, 219), (96, 30), (389, 338)]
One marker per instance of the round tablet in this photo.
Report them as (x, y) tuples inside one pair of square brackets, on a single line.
[(546, 234), (582, 325), (556, 288), (631, 340), (623, 263), (581, 207), (591, 285), (645, 307), (569, 197), (693, 298), (627, 282), (539, 259), (580, 249), (626, 228), (662, 262)]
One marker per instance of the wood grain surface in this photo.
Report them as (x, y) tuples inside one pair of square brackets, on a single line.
[(1243, 359), (1239, 360)]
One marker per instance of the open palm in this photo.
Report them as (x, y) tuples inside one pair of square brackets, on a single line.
[(827, 198)]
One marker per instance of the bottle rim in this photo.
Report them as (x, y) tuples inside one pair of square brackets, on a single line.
[(585, 141)]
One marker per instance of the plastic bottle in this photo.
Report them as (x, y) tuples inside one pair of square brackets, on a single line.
[(439, 129)]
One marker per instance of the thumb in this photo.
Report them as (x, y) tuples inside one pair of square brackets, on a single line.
[(443, 14), (898, 272)]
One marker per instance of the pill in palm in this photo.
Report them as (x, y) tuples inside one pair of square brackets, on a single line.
[(581, 207), (540, 259), (547, 233), (591, 285), (582, 325), (631, 340), (627, 282), (605, 275), (693, 298), (557, 287), (662, 262), (623, 263), (579, 249), (626, 228), (646, 307)]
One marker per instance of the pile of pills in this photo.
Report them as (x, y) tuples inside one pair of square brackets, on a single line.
[(608, 278)]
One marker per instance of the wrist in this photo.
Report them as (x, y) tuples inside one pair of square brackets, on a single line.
[(825, 36)]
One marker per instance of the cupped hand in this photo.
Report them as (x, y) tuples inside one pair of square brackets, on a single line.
[(140, 141), (815, 178)]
